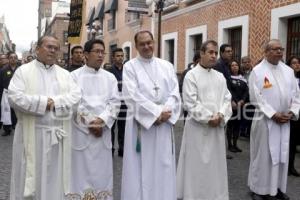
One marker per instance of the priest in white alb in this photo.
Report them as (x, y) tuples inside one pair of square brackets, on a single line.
[(92, 170), (275, 93), (43, 95), (202, 169), (150, 91)]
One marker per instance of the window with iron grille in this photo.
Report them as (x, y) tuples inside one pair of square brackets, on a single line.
[(111, 49), (235, 40), (131, 16), (293, 37), (111, 23), (197, 41), (170, 50)]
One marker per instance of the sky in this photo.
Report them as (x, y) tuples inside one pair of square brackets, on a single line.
[(21, 19)]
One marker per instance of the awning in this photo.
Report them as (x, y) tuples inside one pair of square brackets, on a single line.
[(90, 18), (112, 5), (99, 13)]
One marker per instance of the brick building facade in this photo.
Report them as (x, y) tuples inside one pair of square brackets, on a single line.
[(245, 24)]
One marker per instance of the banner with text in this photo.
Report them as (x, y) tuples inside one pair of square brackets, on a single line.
[(76, 23)]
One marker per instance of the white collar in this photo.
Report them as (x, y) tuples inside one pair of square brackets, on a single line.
[(91, 69), (203, 68), (47, 67), (147, 60), (270, 65)]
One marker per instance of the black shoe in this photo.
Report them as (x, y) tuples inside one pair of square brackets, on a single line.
[(120, 154), (257, 196), (232, 149), (6, 133), (243, 134), (237, 149), (269, 197), (293, 171), (280, 195), (229, 157)]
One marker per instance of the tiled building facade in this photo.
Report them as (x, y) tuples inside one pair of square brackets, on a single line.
[(246, 24)]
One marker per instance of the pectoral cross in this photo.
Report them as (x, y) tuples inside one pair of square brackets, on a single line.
[(156, 88)]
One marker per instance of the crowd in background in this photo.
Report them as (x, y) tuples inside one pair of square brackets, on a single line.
[(237, 81)]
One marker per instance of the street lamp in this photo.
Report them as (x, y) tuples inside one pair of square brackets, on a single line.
[(159, 6), (95, 29)]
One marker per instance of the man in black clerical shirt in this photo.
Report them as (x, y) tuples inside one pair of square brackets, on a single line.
[(77, 58), (117, 70), (5, 76), (223, 67)]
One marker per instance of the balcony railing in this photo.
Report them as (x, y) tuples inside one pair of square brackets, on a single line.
[(111, 24), (132, 18)]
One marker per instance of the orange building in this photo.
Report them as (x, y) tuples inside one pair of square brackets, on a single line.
[(245, 24)]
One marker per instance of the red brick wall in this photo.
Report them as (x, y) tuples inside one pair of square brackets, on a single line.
[(259, 12)]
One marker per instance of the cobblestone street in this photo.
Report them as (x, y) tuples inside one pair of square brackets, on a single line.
[(5, 165), (237, 170)]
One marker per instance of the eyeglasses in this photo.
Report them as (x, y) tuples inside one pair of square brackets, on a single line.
[(98, 51), (51, 47), (277, 49)]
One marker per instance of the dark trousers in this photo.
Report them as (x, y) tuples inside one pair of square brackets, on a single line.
[(294, 141), (121, 123), (233, 131), (0, 116), (185, 113), (8, 128), (234, 127), (247, 119)]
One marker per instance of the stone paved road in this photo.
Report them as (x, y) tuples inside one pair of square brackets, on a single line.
[(5, 165), (237, 170)]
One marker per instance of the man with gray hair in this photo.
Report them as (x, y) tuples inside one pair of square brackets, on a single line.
[(275, 94)]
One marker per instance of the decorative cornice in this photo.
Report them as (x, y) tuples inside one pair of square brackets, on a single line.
[(189, 9), (171, 7)]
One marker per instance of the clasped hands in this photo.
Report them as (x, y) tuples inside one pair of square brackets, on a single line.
[(215, 120), (96, 127), (164, 116), (281, 118), (50, 104)]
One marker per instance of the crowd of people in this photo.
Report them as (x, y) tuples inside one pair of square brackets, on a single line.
[(65, 120)]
